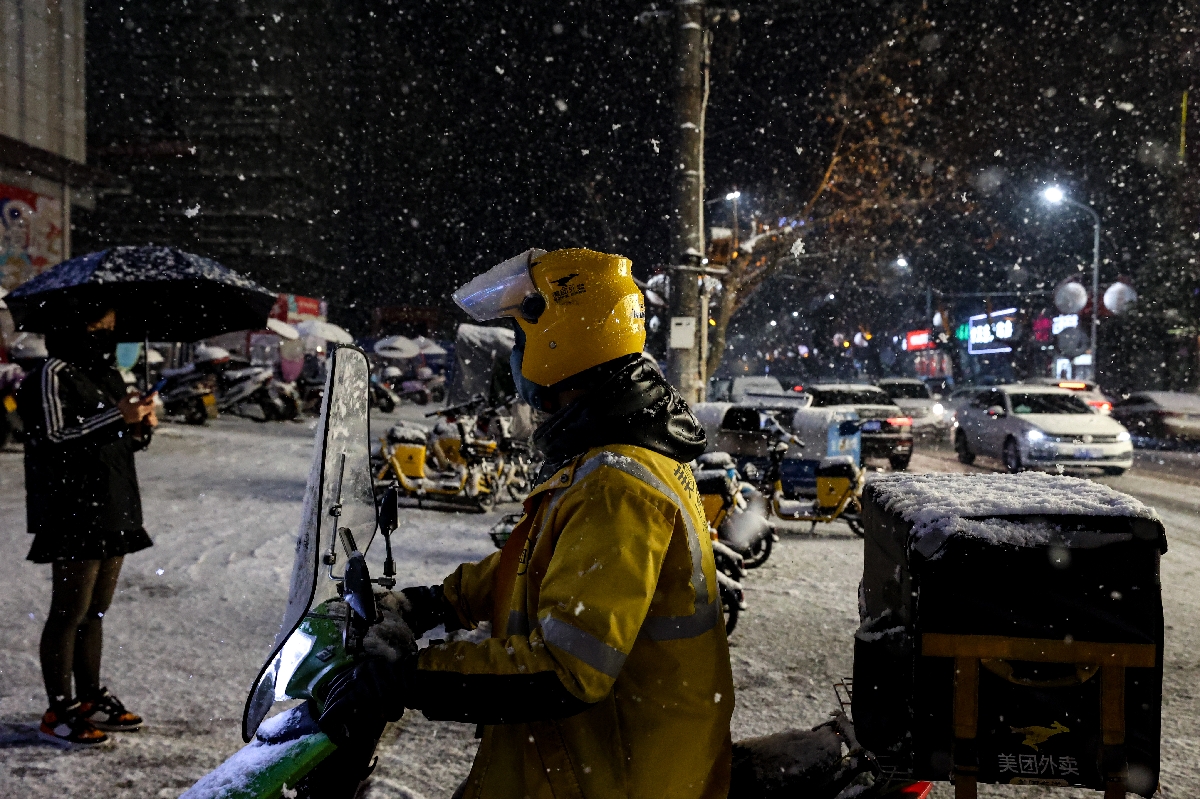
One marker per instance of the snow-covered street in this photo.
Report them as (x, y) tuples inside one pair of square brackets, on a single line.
[(195, 615)]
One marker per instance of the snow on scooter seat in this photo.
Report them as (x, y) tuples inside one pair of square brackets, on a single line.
[(942, 506)]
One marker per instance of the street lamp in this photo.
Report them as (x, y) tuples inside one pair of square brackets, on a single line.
[(1054, 195), (733, 197)]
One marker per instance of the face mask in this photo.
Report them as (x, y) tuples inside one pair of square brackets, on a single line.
[(103, 343), (528, 390)]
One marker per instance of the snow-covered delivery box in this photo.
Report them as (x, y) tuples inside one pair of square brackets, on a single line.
[(1012, 630)]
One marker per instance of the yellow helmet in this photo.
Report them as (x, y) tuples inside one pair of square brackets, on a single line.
[(578, 308)]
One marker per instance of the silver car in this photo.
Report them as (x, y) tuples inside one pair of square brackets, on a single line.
[(1040, 427), (929, 416)]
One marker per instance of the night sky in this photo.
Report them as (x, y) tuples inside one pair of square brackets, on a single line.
[(428, 140)]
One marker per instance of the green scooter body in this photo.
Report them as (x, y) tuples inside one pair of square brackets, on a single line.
[(287, 746)]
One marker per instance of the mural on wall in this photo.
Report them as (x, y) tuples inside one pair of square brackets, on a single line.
[(31, 235)]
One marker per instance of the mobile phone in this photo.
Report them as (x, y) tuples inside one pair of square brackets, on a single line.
[(157, 387)]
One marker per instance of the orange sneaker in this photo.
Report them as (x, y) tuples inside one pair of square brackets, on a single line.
[(66, 725), (106, 712)]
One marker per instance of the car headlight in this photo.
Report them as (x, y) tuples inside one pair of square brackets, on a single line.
[(1035, 436), (1122, 436), (937, 409)]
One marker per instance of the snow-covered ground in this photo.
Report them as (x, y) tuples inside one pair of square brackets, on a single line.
[(195, 615)]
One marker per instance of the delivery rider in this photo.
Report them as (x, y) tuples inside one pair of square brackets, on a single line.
[(607, 670)]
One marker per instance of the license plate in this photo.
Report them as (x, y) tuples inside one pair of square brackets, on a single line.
[(871, 427), (1086, 453)]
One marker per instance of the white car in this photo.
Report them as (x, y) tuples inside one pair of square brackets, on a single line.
[(929, 417), (1040, 427), (754, 387)]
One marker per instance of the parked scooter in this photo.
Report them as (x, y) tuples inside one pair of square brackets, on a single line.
[(735, 508), (425, 388), (189, 394), (457, 478), (244, 391), (840, 483), (513, 467), (382, 396), (310, 383)]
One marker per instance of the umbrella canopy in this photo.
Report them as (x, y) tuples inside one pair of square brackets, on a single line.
[(325, 330), (159, 293), (429, 346), (397, 347), (282, 329)]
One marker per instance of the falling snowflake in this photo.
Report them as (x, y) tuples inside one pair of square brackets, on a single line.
[(192, 212)]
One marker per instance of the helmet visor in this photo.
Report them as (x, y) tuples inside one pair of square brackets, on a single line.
[(499, 291)]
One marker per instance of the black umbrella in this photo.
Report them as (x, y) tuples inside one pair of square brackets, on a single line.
[(159, 293)]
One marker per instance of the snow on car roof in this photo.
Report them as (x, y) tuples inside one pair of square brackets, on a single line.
[(1032, 388), (1173, 399), (838, 386), (941, 506)]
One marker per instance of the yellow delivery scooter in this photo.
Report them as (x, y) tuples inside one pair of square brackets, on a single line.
[(839, 487), (464, 479)]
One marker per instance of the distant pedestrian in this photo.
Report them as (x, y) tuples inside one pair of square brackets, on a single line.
[(84, 510)]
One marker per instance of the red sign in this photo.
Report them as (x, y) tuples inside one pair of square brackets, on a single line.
[(919, 340), (1042, 328), (292, 308)]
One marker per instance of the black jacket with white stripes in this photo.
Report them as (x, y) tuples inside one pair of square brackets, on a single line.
[(82, 499)]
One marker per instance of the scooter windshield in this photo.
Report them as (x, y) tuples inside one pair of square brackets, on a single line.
[(339, 496)]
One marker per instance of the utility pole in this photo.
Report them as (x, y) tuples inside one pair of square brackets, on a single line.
[(687, 205)]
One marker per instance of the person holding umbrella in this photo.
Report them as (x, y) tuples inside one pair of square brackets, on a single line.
[(82, 496), (84, 510)]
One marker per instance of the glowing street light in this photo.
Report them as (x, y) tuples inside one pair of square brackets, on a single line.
[(1054, 195), (733, 195)]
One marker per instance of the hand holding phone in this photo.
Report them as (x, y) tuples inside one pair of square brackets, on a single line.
[(156, 388)]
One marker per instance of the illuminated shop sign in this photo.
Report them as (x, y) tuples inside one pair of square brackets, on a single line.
[(991, 333), (919, 340)]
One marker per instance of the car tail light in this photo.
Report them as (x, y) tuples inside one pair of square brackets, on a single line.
[(1101, 405), (797, 388), (1074, 385), (900, 421)]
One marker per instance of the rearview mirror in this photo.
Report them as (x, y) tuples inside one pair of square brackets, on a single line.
[(388, 515)]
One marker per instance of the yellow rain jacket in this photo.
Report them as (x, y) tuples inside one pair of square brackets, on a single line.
[(608, 671)]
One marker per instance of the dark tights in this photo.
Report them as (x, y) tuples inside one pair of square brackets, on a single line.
[(72, 638)]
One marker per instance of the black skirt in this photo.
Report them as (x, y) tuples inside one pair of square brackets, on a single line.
[(74, 544)]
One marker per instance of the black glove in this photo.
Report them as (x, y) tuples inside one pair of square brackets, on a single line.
[(362, 699), (428, 609)]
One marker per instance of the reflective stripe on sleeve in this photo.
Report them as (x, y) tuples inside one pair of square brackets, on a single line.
[(706, 613), (518, 623), (583, 645)]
